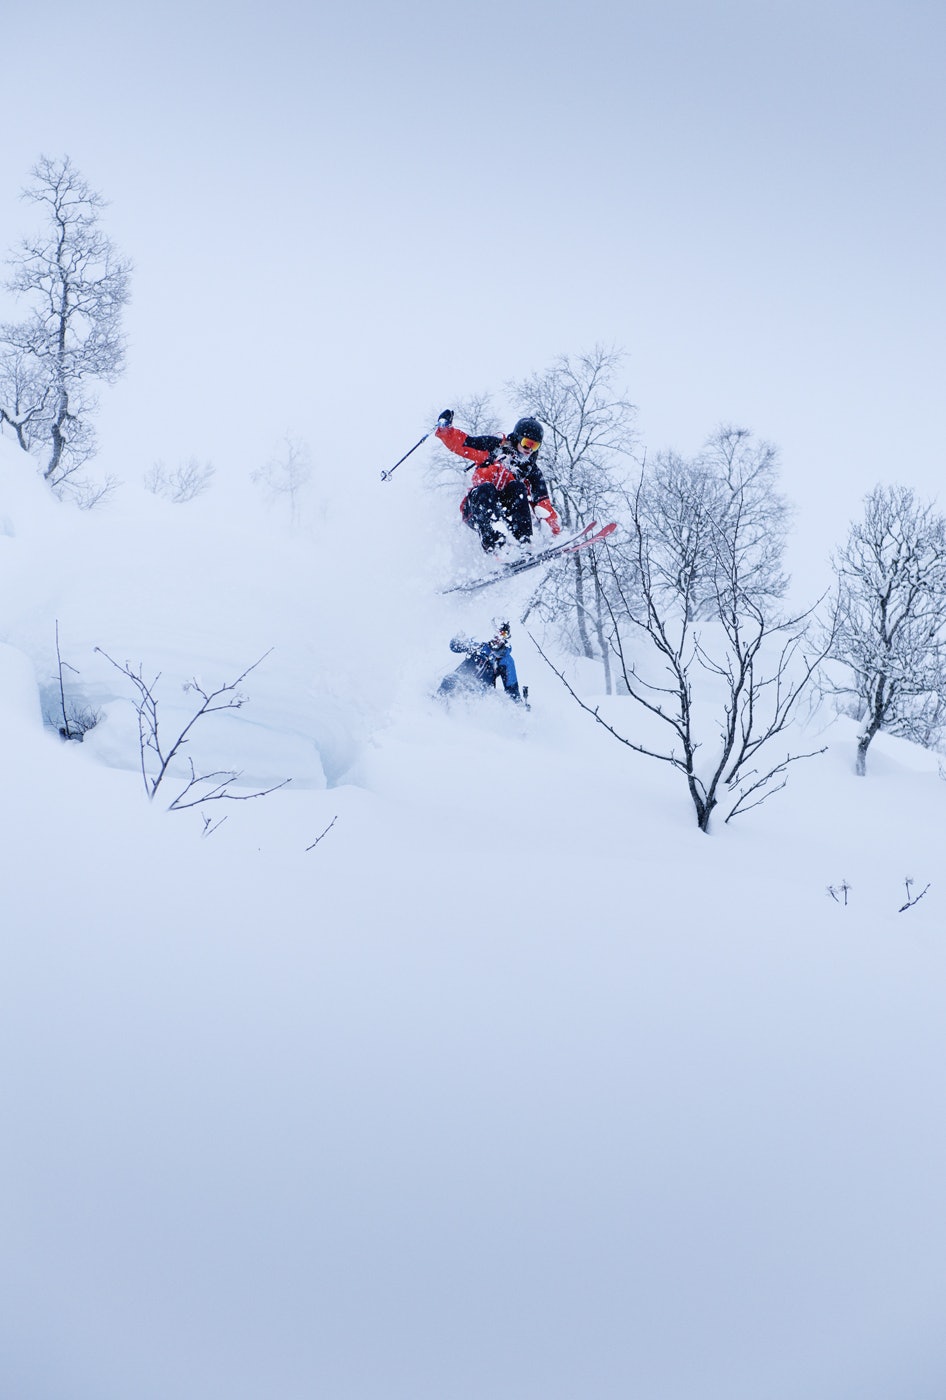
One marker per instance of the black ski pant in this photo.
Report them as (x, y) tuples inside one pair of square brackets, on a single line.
[(485, 507)]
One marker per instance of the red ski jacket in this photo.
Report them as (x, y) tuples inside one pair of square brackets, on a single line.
[(496, 465)]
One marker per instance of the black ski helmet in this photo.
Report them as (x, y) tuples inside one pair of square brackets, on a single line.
[(527, 428)]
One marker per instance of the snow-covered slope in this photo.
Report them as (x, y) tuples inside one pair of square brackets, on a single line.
[(513, 1084)]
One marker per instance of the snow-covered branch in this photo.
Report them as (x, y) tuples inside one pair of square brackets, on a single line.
[(157, 754)]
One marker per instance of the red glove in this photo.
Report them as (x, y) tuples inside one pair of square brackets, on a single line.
[(546, 511)]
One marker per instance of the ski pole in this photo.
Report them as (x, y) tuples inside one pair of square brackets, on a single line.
[(390, 472)]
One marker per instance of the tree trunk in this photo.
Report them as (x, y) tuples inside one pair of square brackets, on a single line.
[(880, 702), (58, 440), (860, 764), (586, 646), (704, 808), (601, 635)]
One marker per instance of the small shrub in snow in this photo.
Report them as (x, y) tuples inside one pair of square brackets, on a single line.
[(839, 893), (158, 754), (181, 484), (87, 493), (73, 719), (77, 720), (911, 897)]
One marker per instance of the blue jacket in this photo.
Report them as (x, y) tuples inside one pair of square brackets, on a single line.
[(483, 667)]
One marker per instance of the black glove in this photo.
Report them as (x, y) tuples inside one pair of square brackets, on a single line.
[(445, 419)]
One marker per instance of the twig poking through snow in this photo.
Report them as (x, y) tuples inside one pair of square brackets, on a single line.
[(324, 833), (916, 898)]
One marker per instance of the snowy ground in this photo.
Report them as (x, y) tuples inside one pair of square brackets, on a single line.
[(513, 1085)]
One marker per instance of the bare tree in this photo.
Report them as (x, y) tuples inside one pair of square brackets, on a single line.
[(75, 286), (23, 396), (891, 632), (590, 430), (714, 521), (702, 644), (755, 516), (586, 455), (286, 475)]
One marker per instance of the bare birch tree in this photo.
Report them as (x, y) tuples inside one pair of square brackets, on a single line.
[(703, 646), (286, 476), (891, 632), (75, 286), (586, 457)]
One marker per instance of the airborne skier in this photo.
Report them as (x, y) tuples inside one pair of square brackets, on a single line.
[(507, 486)]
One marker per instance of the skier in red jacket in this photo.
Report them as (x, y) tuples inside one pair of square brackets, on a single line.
[(507, 486)]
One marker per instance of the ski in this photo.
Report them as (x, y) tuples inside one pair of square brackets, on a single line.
[(591, 534)]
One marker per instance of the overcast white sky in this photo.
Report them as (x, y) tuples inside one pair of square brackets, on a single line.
[(343, 218)]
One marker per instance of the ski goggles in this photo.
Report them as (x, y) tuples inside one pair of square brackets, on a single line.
[(529, 445)]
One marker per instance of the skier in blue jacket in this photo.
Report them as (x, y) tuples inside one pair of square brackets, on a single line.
[(485, 664)]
